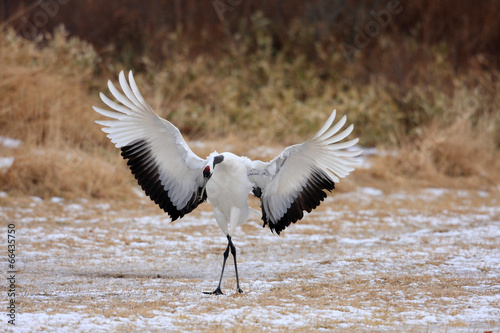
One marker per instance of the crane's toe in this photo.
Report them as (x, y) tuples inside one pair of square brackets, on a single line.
[(215, 292)]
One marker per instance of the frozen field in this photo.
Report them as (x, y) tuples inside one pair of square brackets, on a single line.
[(426, 260)]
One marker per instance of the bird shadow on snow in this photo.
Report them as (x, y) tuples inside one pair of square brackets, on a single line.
[(174, 275)]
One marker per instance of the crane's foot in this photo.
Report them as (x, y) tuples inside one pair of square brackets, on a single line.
[(239, 290), (215, 292)]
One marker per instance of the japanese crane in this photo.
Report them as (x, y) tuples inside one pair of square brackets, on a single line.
[(177, 180)]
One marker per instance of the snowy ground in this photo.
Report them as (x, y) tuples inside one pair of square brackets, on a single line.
[(427, 260)]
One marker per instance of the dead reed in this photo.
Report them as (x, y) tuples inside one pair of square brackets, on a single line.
[(443, 123)]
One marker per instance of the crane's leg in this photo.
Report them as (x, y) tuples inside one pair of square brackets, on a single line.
[(230, 246), (233, 252), (218, 291)]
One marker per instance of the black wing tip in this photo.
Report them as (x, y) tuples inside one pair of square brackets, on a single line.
[(308, 199), (144, 168)]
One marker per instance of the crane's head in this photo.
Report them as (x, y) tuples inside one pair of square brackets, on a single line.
[(209, 169)]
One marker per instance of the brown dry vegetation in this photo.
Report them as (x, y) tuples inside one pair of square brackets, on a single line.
[(424, 91), (44, 103), (408, 261), (271, 76), (315, 29)]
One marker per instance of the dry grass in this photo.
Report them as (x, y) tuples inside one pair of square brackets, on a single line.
[(459, 149), (126, 30), (45, 104), (45, 98), (411, 260), (453, 151), (371, 262), (241, 100), (66, 173), (46, 108)]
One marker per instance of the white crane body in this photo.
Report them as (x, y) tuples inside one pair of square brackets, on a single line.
[(178, 180)]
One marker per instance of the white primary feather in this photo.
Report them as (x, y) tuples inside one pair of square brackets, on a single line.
[(135, 120), (299, 169)]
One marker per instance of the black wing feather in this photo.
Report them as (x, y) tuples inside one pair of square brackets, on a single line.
[(146, 171), (311, 195)]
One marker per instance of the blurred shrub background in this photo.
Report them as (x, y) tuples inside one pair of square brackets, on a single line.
[(420, 78)]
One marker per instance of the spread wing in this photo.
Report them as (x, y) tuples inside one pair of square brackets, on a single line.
[(163, 164), (296, 180)]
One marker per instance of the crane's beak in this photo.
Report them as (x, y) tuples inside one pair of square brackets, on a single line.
[(202, 193), (206, 177)]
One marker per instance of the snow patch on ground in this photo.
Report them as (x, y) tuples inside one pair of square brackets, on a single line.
[(9, 142), (6, 162), (129, 259), (370, 191), (56, 199)]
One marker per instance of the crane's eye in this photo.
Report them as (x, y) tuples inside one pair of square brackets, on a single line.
[(206, 172)]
